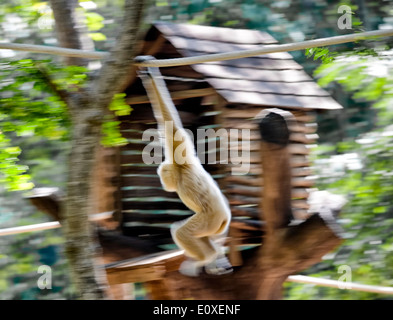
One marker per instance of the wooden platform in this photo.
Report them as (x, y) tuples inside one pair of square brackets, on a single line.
[(144, 269)]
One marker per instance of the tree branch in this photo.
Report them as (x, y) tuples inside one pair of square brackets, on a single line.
[(70, 30), (117, 65), (62, 94)]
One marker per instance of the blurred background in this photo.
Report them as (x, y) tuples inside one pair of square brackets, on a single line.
[(354, 156)]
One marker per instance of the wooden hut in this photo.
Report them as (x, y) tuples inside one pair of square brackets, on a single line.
[(228, 95)]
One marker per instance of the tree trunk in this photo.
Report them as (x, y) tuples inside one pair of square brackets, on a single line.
[(86, 109), (80, 246)]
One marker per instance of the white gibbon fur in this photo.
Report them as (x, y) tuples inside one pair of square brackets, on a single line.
[(183, 173)]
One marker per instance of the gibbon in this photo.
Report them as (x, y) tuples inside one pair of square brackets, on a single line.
[(183, 173)]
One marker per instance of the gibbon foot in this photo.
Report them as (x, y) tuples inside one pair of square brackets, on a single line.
[(190, 268), (217, 267)]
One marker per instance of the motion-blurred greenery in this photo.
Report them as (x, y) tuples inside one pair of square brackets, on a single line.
[(361, 170)]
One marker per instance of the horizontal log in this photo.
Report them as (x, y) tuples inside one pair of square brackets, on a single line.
[(248, 170), (301, 171), (244, 225), (304, 138), (307, 128), (251, 158), (129, 125), (152, 218), (138, 168), (138, 158), (142, 191), (300, 204), (149, 181), (255, 159), (245, 200), (148, 203), (141, 113), (244, 180), (244, 212), (299, 193), (245, 191), (302, 182), (299, 149), (248, 113), (299, 161), (159, 234)]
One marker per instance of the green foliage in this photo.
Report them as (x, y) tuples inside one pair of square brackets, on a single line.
[(367, 220), (21, 257), (367, 74), (110, 128), (321, 53), (94, 22), (12, 174), (368, 217), (97, 36), (29, 106)]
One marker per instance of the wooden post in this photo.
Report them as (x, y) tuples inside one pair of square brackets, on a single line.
[(276, 203), (286, 249)]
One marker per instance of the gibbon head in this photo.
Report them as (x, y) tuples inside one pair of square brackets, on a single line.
[(168, 175)]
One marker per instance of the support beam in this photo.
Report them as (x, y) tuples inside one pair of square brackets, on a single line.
[(50, 225)]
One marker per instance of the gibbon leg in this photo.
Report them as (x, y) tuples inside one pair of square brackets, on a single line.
[(198, 248), (201, 251)]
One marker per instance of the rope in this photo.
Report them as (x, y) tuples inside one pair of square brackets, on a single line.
[(265, 49), (338, 284), (49, 225), (55, 50), (260, 50), (30, 228)]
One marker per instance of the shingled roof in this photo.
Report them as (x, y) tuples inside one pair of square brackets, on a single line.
[(273, 80)]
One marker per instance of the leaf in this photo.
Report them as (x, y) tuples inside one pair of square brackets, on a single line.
[(111, 136), (97, 36), (119, 105), (94, 21)]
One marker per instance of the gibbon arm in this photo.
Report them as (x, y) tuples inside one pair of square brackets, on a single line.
[(169, 122)]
